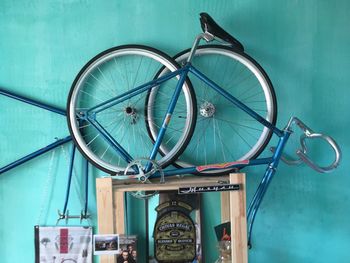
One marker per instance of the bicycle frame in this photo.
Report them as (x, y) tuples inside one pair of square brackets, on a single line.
[(90, 116), (182, 73)]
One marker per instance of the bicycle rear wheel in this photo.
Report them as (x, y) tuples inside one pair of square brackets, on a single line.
[(224, 133), (98, 127)]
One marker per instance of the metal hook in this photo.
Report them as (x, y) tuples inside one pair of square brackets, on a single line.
[(66, 216)]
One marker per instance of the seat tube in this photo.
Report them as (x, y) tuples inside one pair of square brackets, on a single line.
[(169, 113)]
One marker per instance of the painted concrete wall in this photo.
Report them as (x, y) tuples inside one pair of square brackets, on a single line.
[(303, 45)]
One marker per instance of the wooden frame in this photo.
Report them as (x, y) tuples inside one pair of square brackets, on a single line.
[(110, 207)]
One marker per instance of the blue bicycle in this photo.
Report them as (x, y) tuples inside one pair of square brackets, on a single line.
[(133, 110)]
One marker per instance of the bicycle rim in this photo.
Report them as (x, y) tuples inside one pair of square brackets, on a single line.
[(113, 73), (224, 133)]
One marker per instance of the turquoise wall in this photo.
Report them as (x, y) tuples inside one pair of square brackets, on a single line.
[(303, 45)]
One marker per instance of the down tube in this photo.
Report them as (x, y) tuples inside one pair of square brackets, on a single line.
[(235, 101)]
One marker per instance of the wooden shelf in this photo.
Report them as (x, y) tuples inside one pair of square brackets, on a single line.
[(110, 206), (171, 183)]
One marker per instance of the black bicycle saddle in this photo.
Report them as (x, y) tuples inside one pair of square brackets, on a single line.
[(209, 25)]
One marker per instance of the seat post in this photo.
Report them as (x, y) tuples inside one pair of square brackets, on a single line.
[(206, 36)]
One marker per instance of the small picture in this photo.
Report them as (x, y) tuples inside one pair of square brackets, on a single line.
[(106, 244), (223, 231), (63, 244), (127, 249)]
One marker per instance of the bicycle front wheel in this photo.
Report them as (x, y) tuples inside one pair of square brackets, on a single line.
[(224, 133), (107, 115)]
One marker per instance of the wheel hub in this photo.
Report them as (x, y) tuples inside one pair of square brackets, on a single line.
[(131, 112), (207, 109)]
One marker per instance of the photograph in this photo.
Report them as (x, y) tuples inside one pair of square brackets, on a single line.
[(127, 249), (106, 244)]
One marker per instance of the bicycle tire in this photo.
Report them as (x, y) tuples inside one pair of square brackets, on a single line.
[(111, 73), (214, 145)]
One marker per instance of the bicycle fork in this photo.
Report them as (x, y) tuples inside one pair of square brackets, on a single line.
[(264, 184)]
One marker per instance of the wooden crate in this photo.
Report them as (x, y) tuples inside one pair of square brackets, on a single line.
[(110, 207)]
